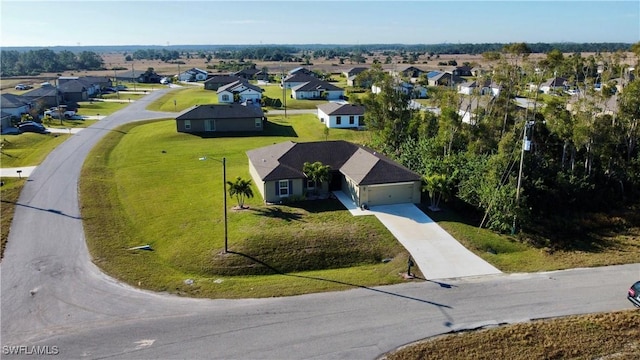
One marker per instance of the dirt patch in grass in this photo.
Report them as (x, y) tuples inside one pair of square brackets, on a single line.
[(611, 335)]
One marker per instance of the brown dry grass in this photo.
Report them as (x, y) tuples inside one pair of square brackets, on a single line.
[(609, 335)]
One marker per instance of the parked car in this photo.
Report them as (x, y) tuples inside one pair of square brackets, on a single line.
[(23, 87), (634, 294), (32, 126), (67, 114)]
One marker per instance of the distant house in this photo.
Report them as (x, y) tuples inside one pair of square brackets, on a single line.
[(354, 71), (193, 74), (15, 105), (367, 177), (469, 108), (462, 71), (248, 73), (337, 115), (554, 84), (412, 72), (487, 87), (414, 91), (317, 89), (216, 81), (73, 91), (436, 78), (300, 70), (47, 95), (221, 118), (92, 84), (239, 91), (294, 80), (140, 76)]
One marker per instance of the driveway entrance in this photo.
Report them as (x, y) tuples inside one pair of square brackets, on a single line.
[(437, 253)]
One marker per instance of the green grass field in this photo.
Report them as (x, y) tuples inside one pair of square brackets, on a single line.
[(309, 247), (181, 99), (28, 149)]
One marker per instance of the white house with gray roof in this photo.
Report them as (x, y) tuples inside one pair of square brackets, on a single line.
[(341, 115), (245, 91), (317, 89)]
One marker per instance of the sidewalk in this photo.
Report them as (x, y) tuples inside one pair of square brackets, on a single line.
[(436, 252), (13, 172)]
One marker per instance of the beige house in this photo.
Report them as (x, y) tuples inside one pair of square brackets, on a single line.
[(364, 175)]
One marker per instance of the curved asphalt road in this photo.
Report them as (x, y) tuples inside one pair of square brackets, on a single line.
[(53, 295)]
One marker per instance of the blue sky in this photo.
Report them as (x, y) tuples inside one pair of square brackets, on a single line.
[(146, 22)]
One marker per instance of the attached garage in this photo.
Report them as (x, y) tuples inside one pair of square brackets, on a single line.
[(385, 194)]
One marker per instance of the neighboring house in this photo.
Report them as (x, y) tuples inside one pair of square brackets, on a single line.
[(221, 118), (412, 72), (301, 70), (215, 82), (436, 78), (294, 80), (474, 87), (354, 71), (337, 115), (462, 71), (554, 84), (242, 89), (73, 91), (478, 71), (47, 95), (414, 91), (317, 89), (92, 84), (248, 73), (14, 105), (139, 76), (470, 106), (607, 107), (193, 74), (5, 121), (364, 175)]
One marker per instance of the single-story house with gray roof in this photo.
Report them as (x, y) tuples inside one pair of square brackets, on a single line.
[(221, 118), (317, 89), (338, 115), (368, 177)]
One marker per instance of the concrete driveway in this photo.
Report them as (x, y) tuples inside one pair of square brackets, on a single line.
[(436, 252)]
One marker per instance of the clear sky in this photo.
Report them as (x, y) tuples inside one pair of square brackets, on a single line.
[(213, 22)]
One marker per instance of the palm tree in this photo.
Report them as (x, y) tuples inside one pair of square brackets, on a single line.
[(241, 189), (317, 172)]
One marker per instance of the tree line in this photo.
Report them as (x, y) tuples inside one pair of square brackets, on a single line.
[(34, 62), (517, 168)]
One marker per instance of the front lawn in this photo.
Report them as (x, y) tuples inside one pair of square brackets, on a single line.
[(149, 187), (28, 149), (275, 92)]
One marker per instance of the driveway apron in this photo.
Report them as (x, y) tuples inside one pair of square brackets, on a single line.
[(438, 254)]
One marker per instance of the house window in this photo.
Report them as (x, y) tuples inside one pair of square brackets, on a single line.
[(361, 122), (351, 120), (311, 184), (187, 124), (338, 120), (258, 123), (283, 187), (225, 97)]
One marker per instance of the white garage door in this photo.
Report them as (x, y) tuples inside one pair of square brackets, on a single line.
[(390, 194)]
